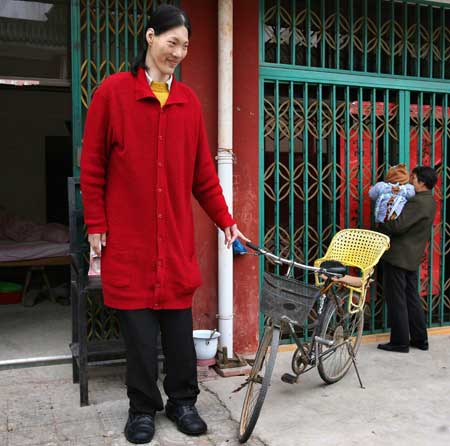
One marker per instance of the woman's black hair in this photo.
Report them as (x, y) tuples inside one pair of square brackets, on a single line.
[(426, 175), (165, 18)]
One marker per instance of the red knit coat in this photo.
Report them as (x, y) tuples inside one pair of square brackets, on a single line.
[(140, 164)]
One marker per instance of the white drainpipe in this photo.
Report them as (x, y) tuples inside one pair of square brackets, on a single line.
[(225, 167)]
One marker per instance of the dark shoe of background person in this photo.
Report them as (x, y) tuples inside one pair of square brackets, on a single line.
[(140, 428), (186, 418), (394, 348), (421, 345)]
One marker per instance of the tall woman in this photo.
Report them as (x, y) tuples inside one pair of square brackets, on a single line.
[(145, 152)]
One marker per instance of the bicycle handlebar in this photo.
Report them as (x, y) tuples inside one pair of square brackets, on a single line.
[(253, 246), (291, 263)]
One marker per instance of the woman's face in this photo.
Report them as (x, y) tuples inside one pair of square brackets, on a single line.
[(166, 51), (419, 186)]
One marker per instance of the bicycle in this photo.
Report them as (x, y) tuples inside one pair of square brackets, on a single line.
[(287, 302)]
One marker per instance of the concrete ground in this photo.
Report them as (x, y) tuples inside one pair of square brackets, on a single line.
[(29, 332), (406, 402)]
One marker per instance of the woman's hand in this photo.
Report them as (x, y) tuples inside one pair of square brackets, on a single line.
[(97, 241), (232, 233)]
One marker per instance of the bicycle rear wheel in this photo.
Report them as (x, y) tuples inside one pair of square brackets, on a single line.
[(339, 328), (258, 381)]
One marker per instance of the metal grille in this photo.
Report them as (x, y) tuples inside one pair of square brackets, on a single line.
[(326, 137), (405, 38), (320, 158), (102, 322)]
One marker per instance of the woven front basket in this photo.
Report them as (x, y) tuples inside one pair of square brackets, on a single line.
[(284, 296)]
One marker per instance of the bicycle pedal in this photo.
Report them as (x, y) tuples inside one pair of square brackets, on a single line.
[(289, 379)]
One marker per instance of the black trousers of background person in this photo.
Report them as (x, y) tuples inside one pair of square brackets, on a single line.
[(405, 310), (140, 330)]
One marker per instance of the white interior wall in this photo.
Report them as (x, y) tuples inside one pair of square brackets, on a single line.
[(26, 117)]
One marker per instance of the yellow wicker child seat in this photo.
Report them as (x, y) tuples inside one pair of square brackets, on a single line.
[(359, 248)]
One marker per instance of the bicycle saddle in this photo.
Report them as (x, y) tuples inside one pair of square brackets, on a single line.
[(333, 266)]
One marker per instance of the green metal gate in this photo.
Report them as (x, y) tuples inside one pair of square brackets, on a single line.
[(347, 89)]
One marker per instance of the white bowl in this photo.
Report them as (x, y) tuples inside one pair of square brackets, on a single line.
[(205, 344)]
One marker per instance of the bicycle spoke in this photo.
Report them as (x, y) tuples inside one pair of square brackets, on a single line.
[(341, 329)]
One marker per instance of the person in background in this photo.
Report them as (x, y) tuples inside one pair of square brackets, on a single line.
[(145, 152), (409, 234), (391, 195)]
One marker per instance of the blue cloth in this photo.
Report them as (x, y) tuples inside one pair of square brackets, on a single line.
[(239, 248), (382, 192)]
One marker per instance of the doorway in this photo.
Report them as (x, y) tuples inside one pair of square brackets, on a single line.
[(35, 161)]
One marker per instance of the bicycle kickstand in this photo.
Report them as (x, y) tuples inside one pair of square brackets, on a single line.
[(351, 352)]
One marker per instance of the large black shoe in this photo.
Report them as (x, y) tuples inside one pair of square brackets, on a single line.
[(140, 428), (394, 348), (421, 345), (186, 418)]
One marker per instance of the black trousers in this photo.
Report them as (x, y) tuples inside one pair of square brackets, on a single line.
[(406, 315), (140, 329)]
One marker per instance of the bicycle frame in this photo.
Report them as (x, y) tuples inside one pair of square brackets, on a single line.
[(323, 293), (306, 354)]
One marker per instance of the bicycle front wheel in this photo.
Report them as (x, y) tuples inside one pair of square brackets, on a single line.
[(258, 381), (344, 330)]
